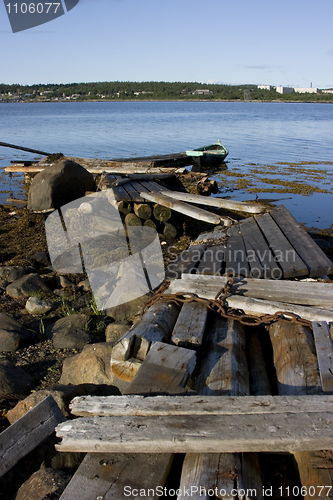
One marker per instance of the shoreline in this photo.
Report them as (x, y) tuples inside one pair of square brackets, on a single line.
[(170, 100)]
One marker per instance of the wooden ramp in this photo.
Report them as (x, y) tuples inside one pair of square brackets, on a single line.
[(271, 246)]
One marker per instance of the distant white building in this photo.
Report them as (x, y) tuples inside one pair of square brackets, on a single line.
[(327, 91), (304, 90), (202, 92), (265, 87), (284, 90)]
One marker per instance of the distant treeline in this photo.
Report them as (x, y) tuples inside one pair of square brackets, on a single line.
[(149, 91)]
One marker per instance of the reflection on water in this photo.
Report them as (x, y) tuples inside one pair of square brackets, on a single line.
[(263, 134)]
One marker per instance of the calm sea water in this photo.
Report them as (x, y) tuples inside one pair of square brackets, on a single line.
[(255, 133)]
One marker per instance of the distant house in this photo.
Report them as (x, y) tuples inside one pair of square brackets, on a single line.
[(306, 90), (284, 90), (265, 87), (202, 92), (327, 91)]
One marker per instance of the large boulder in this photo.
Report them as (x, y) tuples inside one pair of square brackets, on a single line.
[(12, 333), (58, 185)]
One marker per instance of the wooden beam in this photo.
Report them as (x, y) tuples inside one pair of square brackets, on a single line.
[(185, 208), (166, 369), (28, 432), (197, 434), (324, 349), (190, 326), (187, 262), (306, 293), (216, 202), (136, 405)]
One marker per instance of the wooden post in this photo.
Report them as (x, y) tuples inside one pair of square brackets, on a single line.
[(161, 213), (142, 210)]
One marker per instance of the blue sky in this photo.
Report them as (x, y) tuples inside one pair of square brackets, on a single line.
[(286, 43)]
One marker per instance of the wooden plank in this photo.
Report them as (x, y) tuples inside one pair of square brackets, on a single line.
[(324, 349), (187, 262), (290, 262), (314, 258), (148, 187), (197, 434), (212, 260), (190, 325), (135, 405), (294, 358), (166, 369), (316, 473), (235, 256), (223, 368), (107, 167), (133, 193), (183, 208), (217, 202), (260, 307), (117, 476), (28, 432), (307, 293), (259, 255)]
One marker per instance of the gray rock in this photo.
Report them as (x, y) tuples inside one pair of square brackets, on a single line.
[(64, 282), (12, 273), (59, 184), (114, 331), (91, 366), (84, 286), (12, 334), (42, 258), (26, 286), (44, 483), (34, 305), (14, 380), (69, 333)]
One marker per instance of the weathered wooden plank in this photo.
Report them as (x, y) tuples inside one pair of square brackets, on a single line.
[(223, 368), (316, 473), (324, 349), (217, 202), (117, 476), (197, 434), (184, 208), (133, 193), (190, 325), (306, 293), (314, 258), (166, 369), (235, 256), (135, 405), (260, 307), (290, 262), (107, 182), (28, 432), (186, 263), (108, 167), (259, 255), (294, 358), (212, 260)]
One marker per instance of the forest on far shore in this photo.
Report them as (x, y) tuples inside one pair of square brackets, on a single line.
[(157, 91)]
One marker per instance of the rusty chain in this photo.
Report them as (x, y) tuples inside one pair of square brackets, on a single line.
[(218, 306)]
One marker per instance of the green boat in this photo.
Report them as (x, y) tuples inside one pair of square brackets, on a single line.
[(210, 155)]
